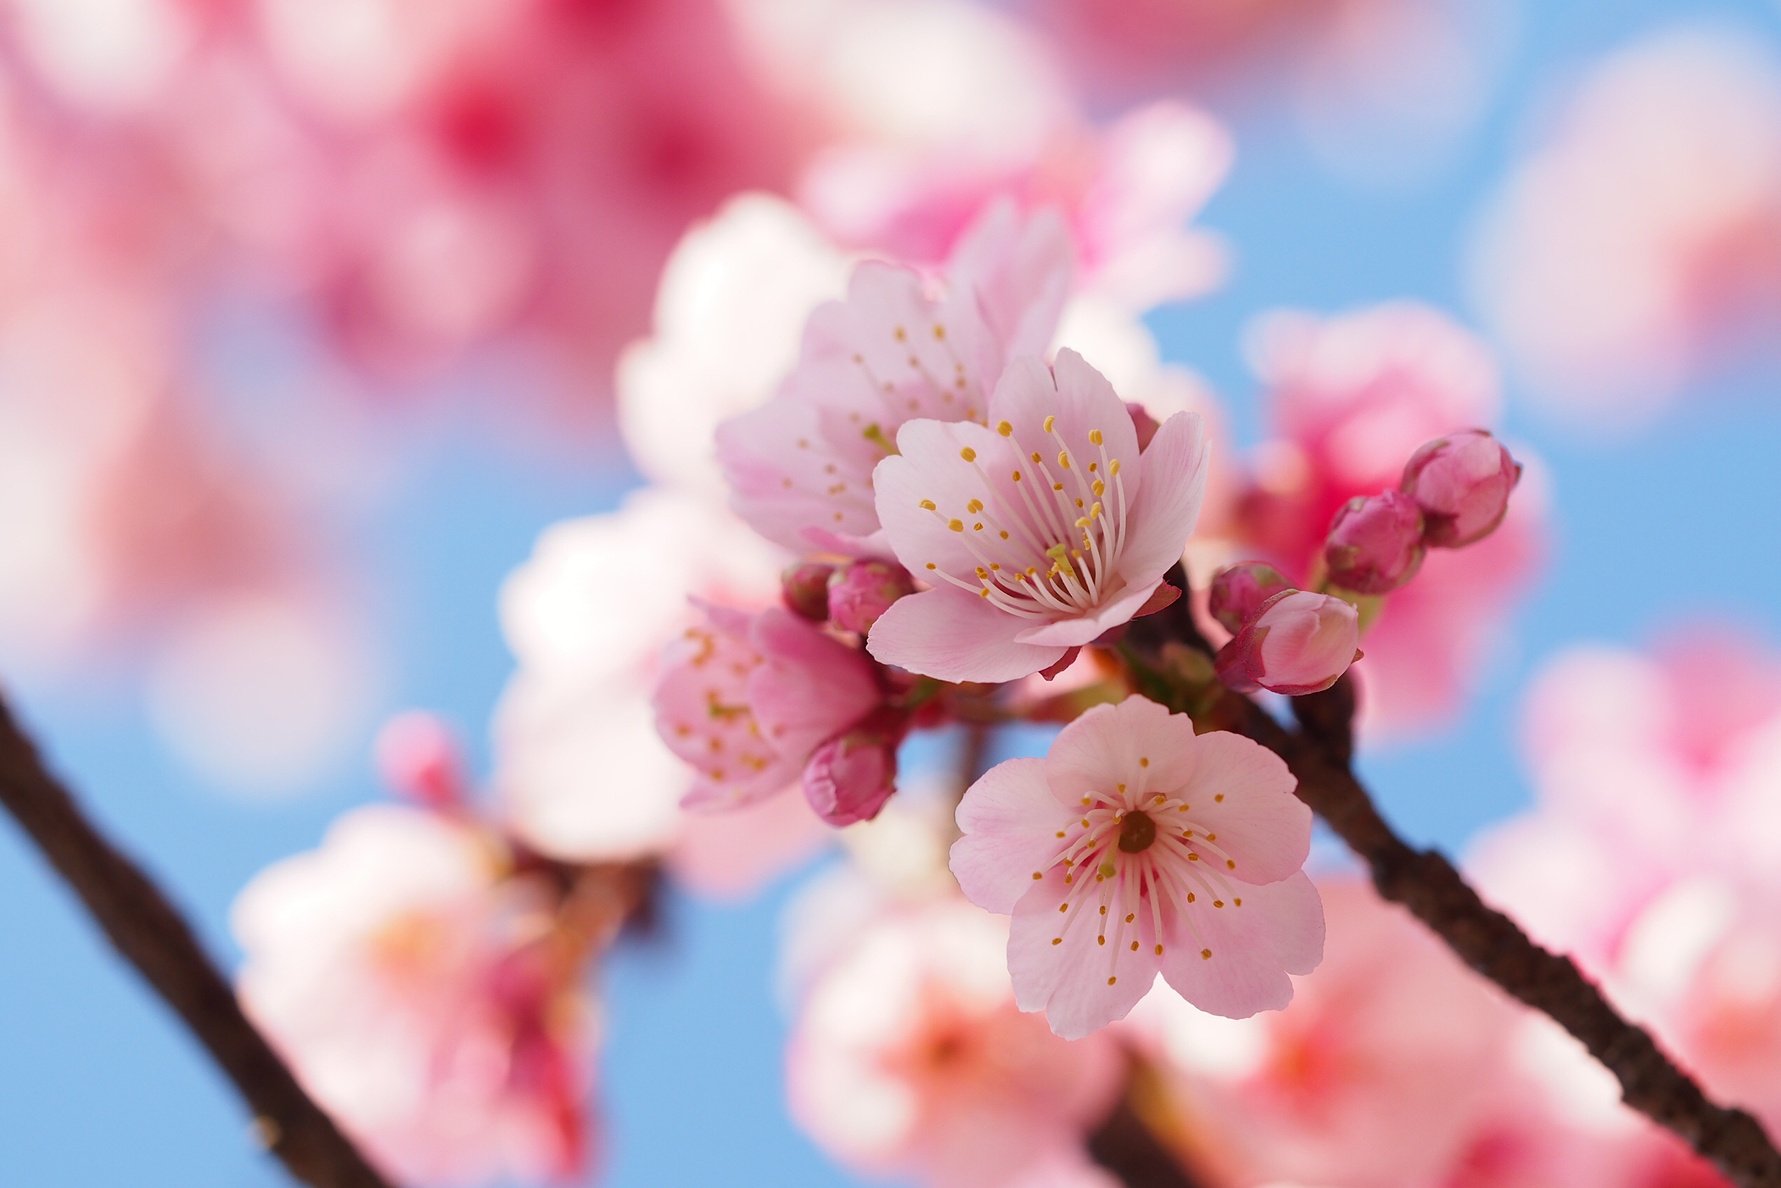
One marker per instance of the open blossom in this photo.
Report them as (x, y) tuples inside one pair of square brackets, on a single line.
[(800, 466), (1137, 846), (422, 998), (1039, 533), (746, 700), (910, 1055)]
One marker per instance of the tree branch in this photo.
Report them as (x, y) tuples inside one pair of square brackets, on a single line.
[(1426, 883), (150, 934)]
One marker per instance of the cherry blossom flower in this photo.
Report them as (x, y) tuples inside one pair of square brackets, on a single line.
[(420, 996), (801, 465), (746, 700), (1194, 844), (1041, 533), (909, 1055)]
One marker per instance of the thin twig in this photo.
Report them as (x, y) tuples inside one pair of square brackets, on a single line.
[(150, 934)]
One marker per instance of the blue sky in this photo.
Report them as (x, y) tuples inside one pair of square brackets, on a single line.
[(99, 1087)]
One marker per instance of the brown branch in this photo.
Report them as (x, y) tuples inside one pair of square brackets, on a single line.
[(150, 934), (1426, 883)]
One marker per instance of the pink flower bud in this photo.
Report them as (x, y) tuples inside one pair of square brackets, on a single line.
[(804, 588), (1375, 543), (1462, 483), (1239, 590), (862, 590), (1145, 424), (850, 777), (417, 756), (1298, 643)]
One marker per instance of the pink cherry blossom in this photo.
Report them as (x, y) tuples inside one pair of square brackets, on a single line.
[(746, 700), (420, 997), (800, 467), (1039, 534), (861, 591), (1194, 844), (909, 1055), (418, 756), (1638, 247), (1298, 642)]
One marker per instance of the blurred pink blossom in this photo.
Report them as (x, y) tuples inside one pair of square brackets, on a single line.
[(1638, 247), (909, 1055), (421, 993)]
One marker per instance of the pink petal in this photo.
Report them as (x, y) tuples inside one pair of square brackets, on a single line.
[(1019, 270), (1075, 632), (810, 686), (1277, 930), (1168, 501), (950, 635), (1009, 821), (1107, 743), (1078, 397), (1080, 984), (929, 468), (1259, 822)]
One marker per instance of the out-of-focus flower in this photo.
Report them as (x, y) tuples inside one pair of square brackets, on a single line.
[(418, 756), (1046, 530), (425, 997), (1639, 246), (1375, 543), (1298, 642), (745, 700), (1462, 484), (909, 1055), (1365, 1069), (1138, 846), (1352, 397), (804, 589)]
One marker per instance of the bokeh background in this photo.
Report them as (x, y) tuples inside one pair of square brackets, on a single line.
[(416, 501)]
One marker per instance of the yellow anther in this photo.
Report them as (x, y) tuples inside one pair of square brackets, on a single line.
[(1113, 466), (1063, 459), (929, 505), (1206, 953), (968, 454), (956, 525), (975, 506), (1049, 422), (1004, 428), (1094, 437)]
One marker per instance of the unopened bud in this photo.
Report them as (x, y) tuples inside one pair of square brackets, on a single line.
[(1299, 642), (417, 756), (1239, 590), (862, 590), (850, 777), (804, 588), (1375, 543), (1462, 483)]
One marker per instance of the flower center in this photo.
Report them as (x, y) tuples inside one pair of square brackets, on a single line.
[(1136, 832)]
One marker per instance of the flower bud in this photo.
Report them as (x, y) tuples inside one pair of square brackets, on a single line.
[(1375, 543), (849, 778), (804, 588), (1239, 590), (1462, 483), (417, 756), (862, 590), (1299, 642)]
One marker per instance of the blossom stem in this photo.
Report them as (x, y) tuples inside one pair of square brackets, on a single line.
[(150, 934)]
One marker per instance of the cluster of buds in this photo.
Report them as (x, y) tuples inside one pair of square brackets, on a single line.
[(1454, 492)]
